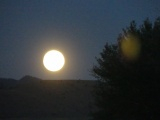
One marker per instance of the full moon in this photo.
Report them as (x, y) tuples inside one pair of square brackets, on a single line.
[(53, 60)]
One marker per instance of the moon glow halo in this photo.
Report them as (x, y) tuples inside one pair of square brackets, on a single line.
[(53, 60)]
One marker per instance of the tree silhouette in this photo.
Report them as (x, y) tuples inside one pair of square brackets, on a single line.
[(128, 75)]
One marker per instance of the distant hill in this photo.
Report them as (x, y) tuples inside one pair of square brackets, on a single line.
[(29, 78), (35, 98)]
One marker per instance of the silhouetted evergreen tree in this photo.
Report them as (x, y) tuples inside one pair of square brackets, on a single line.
[(129, 75)]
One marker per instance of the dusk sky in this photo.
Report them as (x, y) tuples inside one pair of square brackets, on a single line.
[(77, 28)]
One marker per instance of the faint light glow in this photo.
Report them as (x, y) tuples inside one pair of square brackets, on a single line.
[(53, 60), (130, 47)]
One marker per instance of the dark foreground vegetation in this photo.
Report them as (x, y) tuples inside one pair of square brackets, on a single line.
[(32, 98), (129, 75)]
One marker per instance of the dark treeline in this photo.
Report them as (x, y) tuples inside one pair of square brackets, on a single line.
[(128, 74)]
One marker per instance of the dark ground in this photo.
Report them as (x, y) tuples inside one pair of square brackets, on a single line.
[(32, 98)]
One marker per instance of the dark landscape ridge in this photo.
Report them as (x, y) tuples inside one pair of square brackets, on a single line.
[(31, 97)]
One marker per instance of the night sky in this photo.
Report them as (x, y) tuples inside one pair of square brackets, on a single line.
[(77, 28)]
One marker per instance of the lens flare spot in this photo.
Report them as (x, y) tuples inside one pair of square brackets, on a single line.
[(130, 47)]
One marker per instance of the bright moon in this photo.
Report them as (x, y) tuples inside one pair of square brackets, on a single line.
[(53, 60)]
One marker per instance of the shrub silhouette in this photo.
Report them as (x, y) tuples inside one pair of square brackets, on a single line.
[(129, 79)]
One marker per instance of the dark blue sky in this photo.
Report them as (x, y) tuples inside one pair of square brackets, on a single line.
[(78, 28)]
